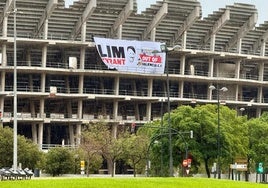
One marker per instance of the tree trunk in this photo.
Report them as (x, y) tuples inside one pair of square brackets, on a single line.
[(134, 170), (207, 167)]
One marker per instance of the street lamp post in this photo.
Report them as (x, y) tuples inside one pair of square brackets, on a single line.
[(224, 89), (166, 50), (15, 139)]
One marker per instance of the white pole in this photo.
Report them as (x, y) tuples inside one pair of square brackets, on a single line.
[(15, 142)]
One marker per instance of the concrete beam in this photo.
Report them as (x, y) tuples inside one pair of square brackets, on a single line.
[(259, 42), (249, 25), (52, 4), (193, 16), (161, 14), (217, 26), (91, 6), (7, 9), (124, 14)]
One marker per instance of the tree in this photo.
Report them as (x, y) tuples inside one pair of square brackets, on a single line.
[(258, 139), (28, 153), (59, 161), (135, 150), (91, 147), (203, 120), (99, 140), (111, 148)]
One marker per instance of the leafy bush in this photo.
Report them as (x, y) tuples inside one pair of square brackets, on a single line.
[(59, 161)]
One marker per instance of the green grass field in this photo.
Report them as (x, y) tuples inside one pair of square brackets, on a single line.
[(128, 183)]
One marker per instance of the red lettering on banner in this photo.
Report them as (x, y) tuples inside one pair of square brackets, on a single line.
[(150, 59), (114, 61)]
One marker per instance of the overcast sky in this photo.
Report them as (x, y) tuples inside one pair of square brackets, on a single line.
[(208, 6)]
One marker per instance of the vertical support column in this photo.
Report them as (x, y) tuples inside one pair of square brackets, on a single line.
[(239, 46), (3, 78), (261, 71), (34, 133), (260, 94), (40, 135), (4, 55), (217, 68), (4, 31), (258, 112), (71, 128), (182, 65), (78, 134), (149, 104), (44, 56), (237, 69), (48, 136), (209, 92), (115, 103), (184, 40), (211, 67), (41, 125), (262, 52), (181, 89), (71, 133), (82, 57), (237, 91), (34, 128), (153, 32), (83, 32), (119, 31), (45, 29), (42, 101), (212, 42)]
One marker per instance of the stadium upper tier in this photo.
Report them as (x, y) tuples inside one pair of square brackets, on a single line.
[(169, 20)]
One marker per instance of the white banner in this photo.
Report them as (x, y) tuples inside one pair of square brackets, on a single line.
[(131, 56)]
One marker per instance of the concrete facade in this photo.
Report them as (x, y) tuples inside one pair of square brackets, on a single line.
[(62, 83)]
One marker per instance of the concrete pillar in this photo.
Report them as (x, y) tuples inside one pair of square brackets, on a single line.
[(149, 104), (41, 125), (239, 46), (260, 94), (209, 92), (258, 112), (153, 33), (212, 42), (4, 27), (237, 95), (78, 134), (182, 65), (45, 29), (83, 32), (262, 52), (184, 40), (28, 57), (115, 109), (48, 136), (82, 57), (34, 133), (181, 89), (3, 83), (211, 67), (40, 135), (44, 56), (237, 69), (261, 71), (119, 31), (34, 128), (71, 134), (4, 55), (116, 85), (116, 92)]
